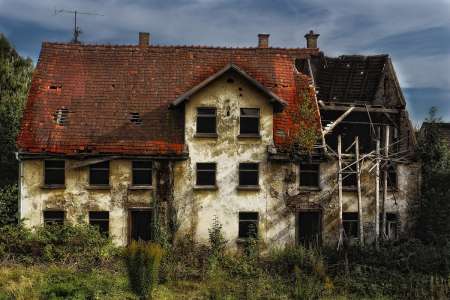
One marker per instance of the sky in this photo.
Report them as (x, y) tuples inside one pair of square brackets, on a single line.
[(416, 34)]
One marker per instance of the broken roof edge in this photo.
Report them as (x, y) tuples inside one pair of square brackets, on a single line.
[(273, 98), (23, 155)]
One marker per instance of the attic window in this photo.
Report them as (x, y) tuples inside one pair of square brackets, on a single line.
[(54, 87), (135, 118), (61, 116)]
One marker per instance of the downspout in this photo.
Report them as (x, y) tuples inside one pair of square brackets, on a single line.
[(19, 198)]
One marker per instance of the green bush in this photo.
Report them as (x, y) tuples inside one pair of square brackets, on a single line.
[(9, 198), (217, 242), (142, 261)]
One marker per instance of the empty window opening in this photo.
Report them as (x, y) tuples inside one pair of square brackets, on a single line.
[(142, 173), (54, 172), (248, 225), (309, 175), (350, 222), (309, 228), (230, 80), (135, 118), (61, 116), (55, 87), (392, 226), (248, 174), (349, 178), (249, 121), (99, 174), (206, 174), (141, 225), (100, 219), (392, 177), (53, 217), (206, 120)]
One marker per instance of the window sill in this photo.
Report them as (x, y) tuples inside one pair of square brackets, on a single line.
[(140, 187), (310, 188), (244, 240), (206, 187), (249, 136), (53, 186), (349, 188), (249, 188), (98, 187), (206, 135)]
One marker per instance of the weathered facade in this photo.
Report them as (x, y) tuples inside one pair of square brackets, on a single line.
[(131, 138)]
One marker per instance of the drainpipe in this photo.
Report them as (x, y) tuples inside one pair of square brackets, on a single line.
[(19, 198)]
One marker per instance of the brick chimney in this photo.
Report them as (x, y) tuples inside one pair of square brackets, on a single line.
[(263, 40), (311, 39), (144, 39)]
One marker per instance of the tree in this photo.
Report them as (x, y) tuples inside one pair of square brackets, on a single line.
[(15, 79), (433, 209)]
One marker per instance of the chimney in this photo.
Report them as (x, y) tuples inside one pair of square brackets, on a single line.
[(263, 40), (311, 39), (144, 39)]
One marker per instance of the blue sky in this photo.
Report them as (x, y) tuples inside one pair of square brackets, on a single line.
[(415, 33)]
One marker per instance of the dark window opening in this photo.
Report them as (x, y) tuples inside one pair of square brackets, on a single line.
[(206, 174), (206, 120), (349, 178), (61, 116), (248, 225), (54, 172), (100, 219), (392, 225), (135, 118), (99, 173), (248, 174), (350, 222), (392, 177), (309, 228), (142, 173), (53, 217), (309, 175), (249, 121), (141, 225)]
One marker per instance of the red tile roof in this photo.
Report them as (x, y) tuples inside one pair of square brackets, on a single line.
[(101, 85)]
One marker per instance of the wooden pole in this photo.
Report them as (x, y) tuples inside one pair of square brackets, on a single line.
[(377, 195), (341, 226), (385, 180), (358, 186)]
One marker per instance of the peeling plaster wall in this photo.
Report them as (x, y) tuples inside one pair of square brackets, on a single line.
[(77, 199), (198, 207)]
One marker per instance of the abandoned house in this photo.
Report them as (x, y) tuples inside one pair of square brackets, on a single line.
[(283, 144)]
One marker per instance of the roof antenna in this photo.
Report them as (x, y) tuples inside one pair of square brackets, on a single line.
[(76, 30)]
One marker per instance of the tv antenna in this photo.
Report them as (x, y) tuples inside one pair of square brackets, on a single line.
[(76, 30)]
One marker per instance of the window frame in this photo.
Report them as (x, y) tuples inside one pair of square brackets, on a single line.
[(55, 221), (351, 221), (258, 117), (99, 219), (199, 115), (214, 169), (133, 169), (92, 166), (240, 236), (248, 186), (46, 184), (307, 172)]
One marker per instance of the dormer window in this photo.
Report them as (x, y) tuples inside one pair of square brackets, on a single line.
[(249, 122), (206, 121)]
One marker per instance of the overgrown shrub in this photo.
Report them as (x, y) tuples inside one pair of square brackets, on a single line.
[(142, 261), (9, 198), (217, 242)]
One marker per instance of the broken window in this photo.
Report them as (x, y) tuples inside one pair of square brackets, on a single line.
[(53, 217), (309, 175), (206, 120), (206, 174), (249, 121), (349, 178), (100, 219), (392, 177), (392, 225), (142, 173), (350, 222), (54, 172), (61, 116), (135, 118), (99, 174), (248, 174), (248, 225)]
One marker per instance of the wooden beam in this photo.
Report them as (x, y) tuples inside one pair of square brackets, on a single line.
[(377, 195), (328, 107), (385, 180), (341, 225), (329, 127), (358, 186)]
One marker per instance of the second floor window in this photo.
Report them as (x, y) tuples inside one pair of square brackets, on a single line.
[(249, 121), (206, 174), (142, 173), (54, 172), (248, 174), (99, 174), (309, 175), (206, 120)]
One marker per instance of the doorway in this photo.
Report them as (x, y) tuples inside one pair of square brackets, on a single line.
[(141, 225), (309, 228)]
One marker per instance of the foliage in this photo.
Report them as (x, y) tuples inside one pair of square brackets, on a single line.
[(9, 198), (433, 208), (15, 79), (142, 261), (217, 241)]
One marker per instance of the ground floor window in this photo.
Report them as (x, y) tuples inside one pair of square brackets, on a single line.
[(100, 219), (248, 225), (309, 228), (392, 225), (54, 217), (350, 221), (141, 224)]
